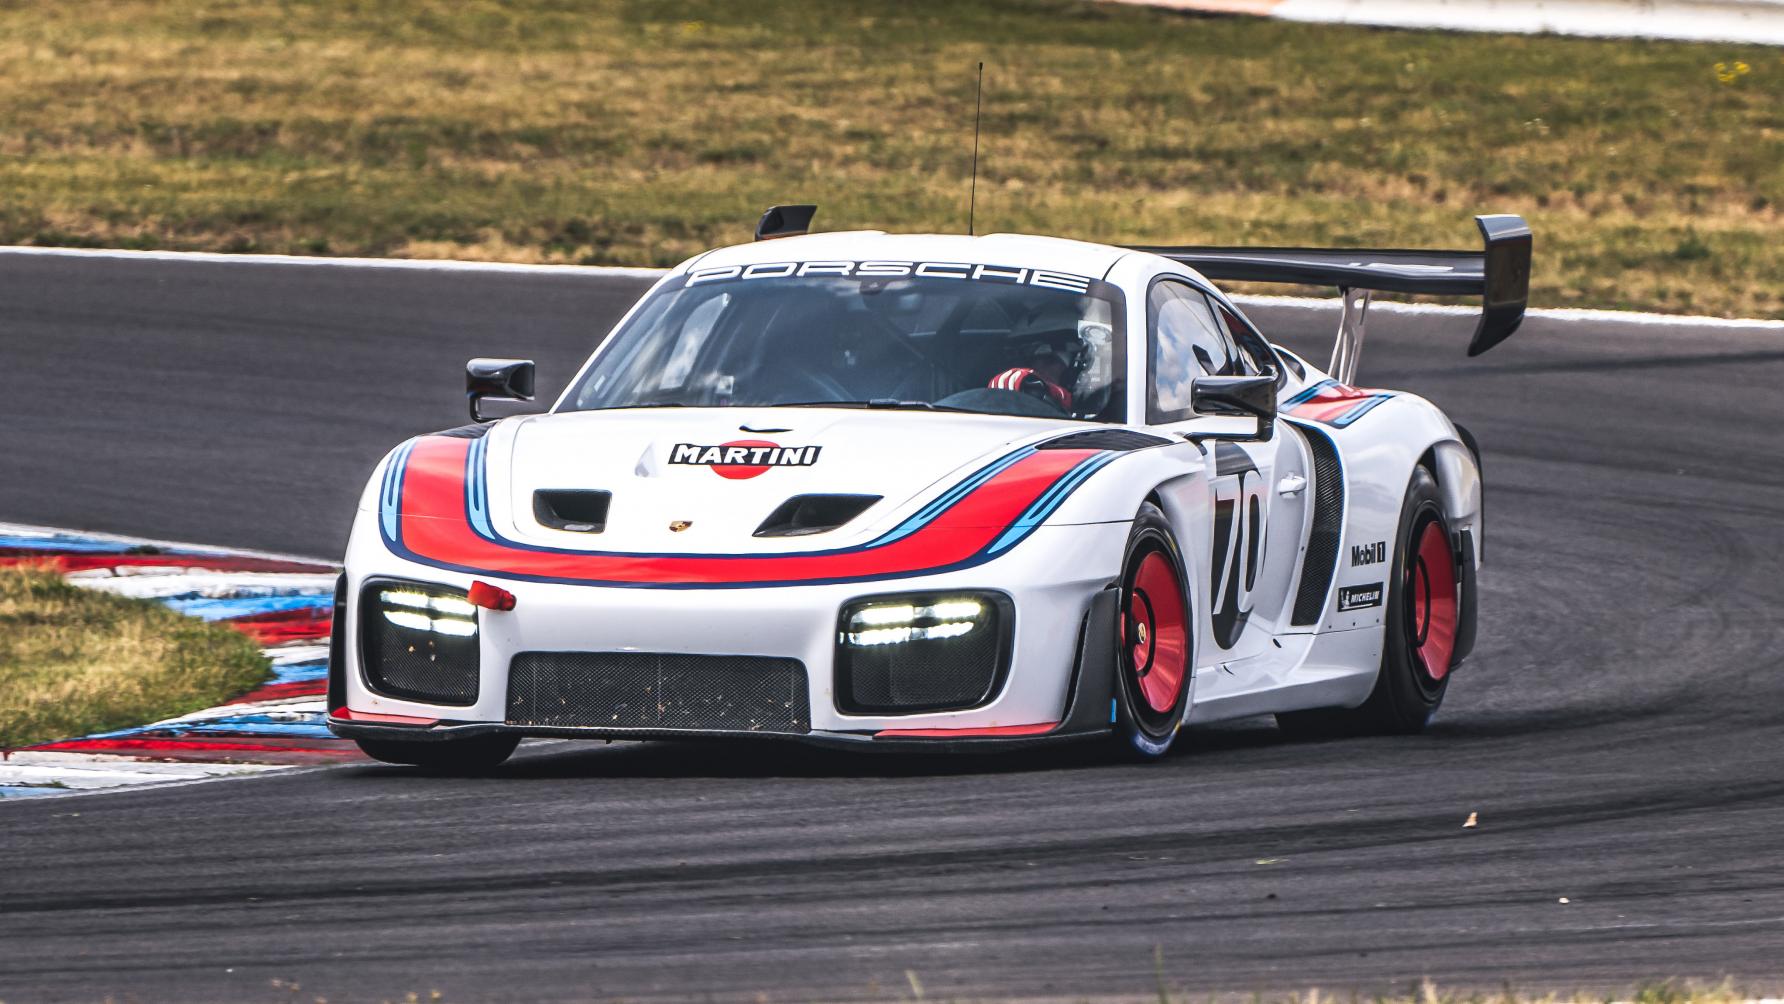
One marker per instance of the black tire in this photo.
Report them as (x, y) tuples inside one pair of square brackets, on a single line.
[(470, 754), (1407, 693), (1149, 643)]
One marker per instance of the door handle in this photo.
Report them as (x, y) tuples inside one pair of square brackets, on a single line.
[(1294, 484)]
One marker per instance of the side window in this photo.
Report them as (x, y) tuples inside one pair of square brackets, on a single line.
[(1255, 351), (1188, 341)]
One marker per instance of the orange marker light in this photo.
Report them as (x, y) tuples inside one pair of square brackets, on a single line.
[(491, 597)]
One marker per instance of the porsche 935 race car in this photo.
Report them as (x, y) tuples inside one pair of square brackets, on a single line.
[(930, 492)]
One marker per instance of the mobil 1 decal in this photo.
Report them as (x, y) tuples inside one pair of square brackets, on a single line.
[(1240, 510)]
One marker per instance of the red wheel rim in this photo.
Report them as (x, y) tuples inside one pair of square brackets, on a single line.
[(1431, 582), (1155, 631)]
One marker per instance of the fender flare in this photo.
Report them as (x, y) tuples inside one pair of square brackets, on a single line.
[(1424, 431)]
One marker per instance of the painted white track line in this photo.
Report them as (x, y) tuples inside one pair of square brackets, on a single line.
[(598, 271), (52, 772), (1573, 314), (401, 264), (1754, 22)]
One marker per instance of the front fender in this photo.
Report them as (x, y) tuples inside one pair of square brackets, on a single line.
[(1114, 493)]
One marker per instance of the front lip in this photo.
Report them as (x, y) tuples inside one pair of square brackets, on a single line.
[(969, 740)]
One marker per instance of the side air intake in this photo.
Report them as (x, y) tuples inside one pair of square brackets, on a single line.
[(805, 514), (572, 510), (1328, 526)]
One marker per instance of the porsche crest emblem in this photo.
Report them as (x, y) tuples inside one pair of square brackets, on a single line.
[(678, 525)]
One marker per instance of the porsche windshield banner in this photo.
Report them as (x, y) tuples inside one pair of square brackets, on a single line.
[(1043, 278)]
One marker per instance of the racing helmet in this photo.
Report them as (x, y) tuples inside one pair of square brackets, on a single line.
[(1063, 356)]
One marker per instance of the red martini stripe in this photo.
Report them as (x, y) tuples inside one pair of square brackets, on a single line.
[(434, 527)]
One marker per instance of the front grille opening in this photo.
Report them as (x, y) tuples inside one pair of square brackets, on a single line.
[(569, 509), (805, 514), (644, 690), (924, 652), (418, 642)]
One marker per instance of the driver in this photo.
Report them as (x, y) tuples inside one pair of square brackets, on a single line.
[(1045, 376), (1056, 355)]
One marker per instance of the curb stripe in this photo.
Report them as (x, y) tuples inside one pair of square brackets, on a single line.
[(285, 603)]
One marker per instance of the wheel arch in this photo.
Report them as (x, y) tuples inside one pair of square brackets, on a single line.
[(1405, 433), (1418, 434), (1115, 492)]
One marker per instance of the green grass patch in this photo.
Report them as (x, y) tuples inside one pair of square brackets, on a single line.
[(641, 132), (75, 661)]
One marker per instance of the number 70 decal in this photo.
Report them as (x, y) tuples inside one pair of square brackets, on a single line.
[(1240, 508)]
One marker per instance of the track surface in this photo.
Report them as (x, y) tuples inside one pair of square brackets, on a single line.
[(1617, 731)]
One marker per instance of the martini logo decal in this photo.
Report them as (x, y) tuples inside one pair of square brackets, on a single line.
[(743, 458)]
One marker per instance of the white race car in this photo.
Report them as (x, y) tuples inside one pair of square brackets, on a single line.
[(928, 492)]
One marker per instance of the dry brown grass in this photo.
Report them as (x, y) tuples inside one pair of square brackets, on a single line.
[(641, 132), (74, 661)]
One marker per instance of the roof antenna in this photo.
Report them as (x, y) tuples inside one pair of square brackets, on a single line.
[(972, 199)]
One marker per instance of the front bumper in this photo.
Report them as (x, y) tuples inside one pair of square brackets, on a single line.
[(1057, 685)]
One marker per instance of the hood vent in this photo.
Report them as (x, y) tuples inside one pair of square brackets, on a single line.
[(803, 514), (572, 510)]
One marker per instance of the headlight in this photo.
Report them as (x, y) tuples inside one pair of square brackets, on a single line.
[(449, 614), (927, 652), (890, 623), (419, 642)]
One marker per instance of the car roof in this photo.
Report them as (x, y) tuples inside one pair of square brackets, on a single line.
[(1016, 250)]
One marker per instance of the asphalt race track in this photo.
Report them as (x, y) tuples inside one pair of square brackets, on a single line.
[(1617, 731)]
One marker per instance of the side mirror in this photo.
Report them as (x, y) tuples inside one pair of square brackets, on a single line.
[(502, 379), (1238, 397)]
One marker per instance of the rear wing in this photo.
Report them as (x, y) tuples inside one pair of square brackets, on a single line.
[(1499, 274)]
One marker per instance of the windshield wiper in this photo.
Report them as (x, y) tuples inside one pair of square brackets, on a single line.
[(878, 403)]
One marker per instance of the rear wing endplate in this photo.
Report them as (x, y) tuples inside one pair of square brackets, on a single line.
[(1499, 274)]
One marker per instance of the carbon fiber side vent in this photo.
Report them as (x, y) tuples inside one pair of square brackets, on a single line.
[(805, 514), (1328, 526), (572, 510), (466, 432), (1104, 439)]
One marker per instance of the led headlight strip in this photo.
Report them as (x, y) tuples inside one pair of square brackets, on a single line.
[(419, 611), (893, 623)]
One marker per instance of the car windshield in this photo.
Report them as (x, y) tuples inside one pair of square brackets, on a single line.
[(924, 335)]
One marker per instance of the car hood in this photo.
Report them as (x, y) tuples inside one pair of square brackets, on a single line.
[(704, 480)]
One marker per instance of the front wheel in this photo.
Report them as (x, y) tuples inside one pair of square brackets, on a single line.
[(1154, 662), (470, 754)]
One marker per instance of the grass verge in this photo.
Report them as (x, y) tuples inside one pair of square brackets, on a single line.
[(74, 661), (642, 131)]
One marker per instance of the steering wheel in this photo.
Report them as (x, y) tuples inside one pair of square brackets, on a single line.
[(1027, 381)]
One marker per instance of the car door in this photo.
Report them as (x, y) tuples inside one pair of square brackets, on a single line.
[(1191, 334)]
